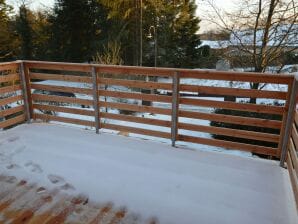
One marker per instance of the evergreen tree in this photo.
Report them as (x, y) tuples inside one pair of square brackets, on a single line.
[(76, 29), (171, 24), (24, 31), (6, 35)]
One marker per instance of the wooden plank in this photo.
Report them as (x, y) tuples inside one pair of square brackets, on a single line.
[(62, 99), (224, 91), (46, 117), (133, 70), (26, 91), (95, 99), (64, 109), (137, 96), (9, 78), (136, 108), (9, 100), (296, 118), (229, 145), (175, 107), (12, 121), (288, 120), (134, 119), (234, 106), (248, 121), (58, 66), (294, 157), (186, 73), (237, 76), (61, 89), (295, 135), (293, 178), (136, 130), (65, 78), (10, 111), (24, 74), (135, 84), (9, 89), (231, 132), (9, 66)]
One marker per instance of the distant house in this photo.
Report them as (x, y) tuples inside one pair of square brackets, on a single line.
[(278, 37), (215, 44)]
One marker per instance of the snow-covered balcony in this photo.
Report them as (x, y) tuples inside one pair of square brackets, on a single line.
[(91, 152)]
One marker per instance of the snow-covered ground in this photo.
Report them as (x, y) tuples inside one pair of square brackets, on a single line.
[(150, 178)]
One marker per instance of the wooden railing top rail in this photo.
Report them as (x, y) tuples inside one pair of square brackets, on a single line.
[(184, 73)]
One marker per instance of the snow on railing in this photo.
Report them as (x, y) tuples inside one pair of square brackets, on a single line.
[(176, 104)]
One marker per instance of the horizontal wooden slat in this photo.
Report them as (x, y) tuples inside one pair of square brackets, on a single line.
[(230, 145), (137, 96), (293, 178), (58, 66), (65, 78), (47, 117), (149, 121), (237, 76), (9, 66), (11, 111), (135, 83), (61, 89), (224, 91), (62, 99), (9, 78), (63, 109), (133, 70), (294, 157), (136, 108), (12, 121), (234, 106), (230, 132), (248, 121), (136, 130), (295, 135), (10, 100), (9, 89)]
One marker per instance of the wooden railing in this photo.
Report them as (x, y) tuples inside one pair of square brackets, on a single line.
[(11, 95), (170, 91), (292, 158)]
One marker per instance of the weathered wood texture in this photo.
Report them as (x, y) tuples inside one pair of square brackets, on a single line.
[(24, 202)]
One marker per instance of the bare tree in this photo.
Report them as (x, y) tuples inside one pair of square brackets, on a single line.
[(262, 32)]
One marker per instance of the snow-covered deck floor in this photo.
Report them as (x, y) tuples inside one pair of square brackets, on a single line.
[(149, 178)]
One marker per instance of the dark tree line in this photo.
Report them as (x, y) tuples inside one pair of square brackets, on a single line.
[(164, 31)]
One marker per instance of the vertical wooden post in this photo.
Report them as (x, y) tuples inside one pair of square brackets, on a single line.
[(289, 122), (175, 107), (25, 92), (95, 98)]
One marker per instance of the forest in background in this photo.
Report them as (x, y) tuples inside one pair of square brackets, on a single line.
[(148, 33)]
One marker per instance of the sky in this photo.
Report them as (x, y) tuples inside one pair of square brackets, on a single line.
[(201, 10)]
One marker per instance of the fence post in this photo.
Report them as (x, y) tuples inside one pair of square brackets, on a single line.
[(175, 107), (289, 122), (25, 91), (95, 98)]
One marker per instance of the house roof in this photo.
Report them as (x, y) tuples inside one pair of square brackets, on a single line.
[(278, 35)]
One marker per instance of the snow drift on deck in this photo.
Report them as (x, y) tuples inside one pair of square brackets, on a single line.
[(151, 179)]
